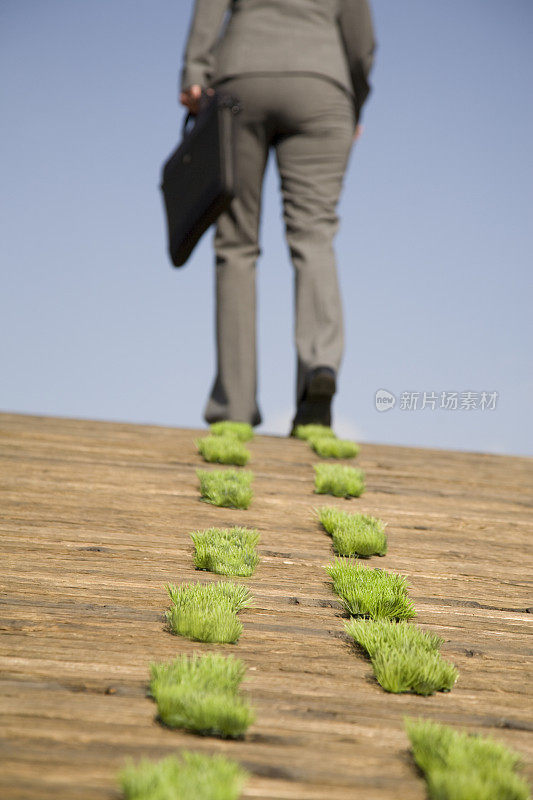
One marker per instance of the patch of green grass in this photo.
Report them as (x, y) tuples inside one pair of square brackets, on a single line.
[(370, 592), (329, 447), (307, 432), (223, 450), (411, 670), (226, 551), (459, 766), (234, 594), (191, 775), (373, 634), (240, 430), (339, 480), (228, 488), (404, 657), (201, 693), (354, 534), (207, 612)]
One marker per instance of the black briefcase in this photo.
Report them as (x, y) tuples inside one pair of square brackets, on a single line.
[(199, 179)]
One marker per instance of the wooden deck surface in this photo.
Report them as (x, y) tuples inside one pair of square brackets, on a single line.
[(96, 518)]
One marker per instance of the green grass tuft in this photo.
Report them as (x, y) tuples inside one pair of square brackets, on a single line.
[(458, 766), (207, 612), (338, 480), (307, 432), (228, 488), (226, 551), (201, 694), (404, 657), (240, 430), (328, 447), (191, 775), (370, 592), (374, 634), (412, 670), (219, 625), (223, 450), (236, 596), (354, 534)]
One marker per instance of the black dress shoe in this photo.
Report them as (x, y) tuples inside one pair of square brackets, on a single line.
[(321, 385), (315, 406)]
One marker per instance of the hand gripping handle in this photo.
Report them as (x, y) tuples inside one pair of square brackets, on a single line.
[(205, 99)]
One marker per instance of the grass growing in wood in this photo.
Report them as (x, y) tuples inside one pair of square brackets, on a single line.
[(329, 447), (240, 430), (207, 612), (223, 450), (191, 775), (201, 694), (339, 480), (374, 634), (370, 592), (458, 766), (228, 488), (404, 657), (354, 534), (237, 596), (226, 551), (411, 670), (307, 432)]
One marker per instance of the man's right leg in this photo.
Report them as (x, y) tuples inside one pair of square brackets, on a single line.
[(234, 392)]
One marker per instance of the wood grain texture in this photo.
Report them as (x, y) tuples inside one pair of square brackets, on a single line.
[(96, 519)]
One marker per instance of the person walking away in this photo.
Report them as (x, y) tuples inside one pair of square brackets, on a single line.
[(301, 71)]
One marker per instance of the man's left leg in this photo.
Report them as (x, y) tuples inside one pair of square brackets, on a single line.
[(312, 157)]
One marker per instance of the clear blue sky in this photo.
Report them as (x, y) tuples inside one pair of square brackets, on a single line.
[(434, 246)]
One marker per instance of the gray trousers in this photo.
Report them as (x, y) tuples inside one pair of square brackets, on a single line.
[(310, 122)]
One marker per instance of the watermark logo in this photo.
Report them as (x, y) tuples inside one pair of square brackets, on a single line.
[(434, 401), (384, 400)]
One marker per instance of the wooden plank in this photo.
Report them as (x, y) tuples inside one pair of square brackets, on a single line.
[(96, 519)]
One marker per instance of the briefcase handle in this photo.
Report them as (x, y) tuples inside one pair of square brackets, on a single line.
[(188, 117), (202, 103), (205, 99)]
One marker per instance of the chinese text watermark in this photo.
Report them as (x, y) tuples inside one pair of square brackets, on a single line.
[(445, 400)]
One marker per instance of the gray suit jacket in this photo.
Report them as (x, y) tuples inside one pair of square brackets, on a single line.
[(333, 38)]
